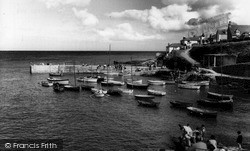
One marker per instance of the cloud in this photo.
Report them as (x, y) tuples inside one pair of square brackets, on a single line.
[(87, 18), (169, 18), (124, 32), (57, 3)]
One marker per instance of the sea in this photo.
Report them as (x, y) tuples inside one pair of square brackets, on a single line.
[(111, 123)]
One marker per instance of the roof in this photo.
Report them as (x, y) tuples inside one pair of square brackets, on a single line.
[(241, 28)]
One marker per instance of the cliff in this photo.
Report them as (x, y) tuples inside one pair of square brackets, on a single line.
[(241, 49)]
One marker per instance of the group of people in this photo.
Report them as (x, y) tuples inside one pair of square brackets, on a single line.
[(191, 140)]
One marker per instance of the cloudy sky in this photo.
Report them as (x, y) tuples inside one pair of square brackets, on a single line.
[(140, 25)]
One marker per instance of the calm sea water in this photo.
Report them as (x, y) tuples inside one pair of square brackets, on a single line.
[(30, 111)]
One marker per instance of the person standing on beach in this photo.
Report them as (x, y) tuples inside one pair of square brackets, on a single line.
[(203, 131), (239, 140)]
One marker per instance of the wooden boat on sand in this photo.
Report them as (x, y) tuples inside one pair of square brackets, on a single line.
[(202, 112)]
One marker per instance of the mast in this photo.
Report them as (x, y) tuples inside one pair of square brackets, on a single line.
[(74, 73), (108, 64)]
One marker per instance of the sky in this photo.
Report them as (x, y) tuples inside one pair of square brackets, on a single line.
[(128, 25)]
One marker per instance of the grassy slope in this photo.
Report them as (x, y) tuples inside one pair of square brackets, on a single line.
[(242, 49)]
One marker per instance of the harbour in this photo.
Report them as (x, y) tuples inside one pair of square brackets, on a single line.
[(108, 123)]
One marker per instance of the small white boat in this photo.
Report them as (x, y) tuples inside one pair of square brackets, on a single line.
[(156, 82), (127, 91), (95, 90), (189, 86), (99, 94), (118, 83), (87, 79), (58, 80), (156, 92)]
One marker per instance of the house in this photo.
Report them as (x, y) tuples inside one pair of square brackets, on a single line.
[(174, 46), (235, 31), (221, 35), (189, 41)]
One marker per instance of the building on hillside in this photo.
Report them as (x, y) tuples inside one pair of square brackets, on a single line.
[(221, 35), (190, 41), (235, 31), (216, 60), (174, 46)]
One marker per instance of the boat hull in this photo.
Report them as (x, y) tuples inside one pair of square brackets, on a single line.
[(148, 104), (179, 104), (144, 97), (201, 112), (189, 86), (157, 93), (137, 86), (60, 81), (218, 96), (155, 82), (215, 103), (72, 88)]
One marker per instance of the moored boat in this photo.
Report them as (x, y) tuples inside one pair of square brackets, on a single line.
[(216, 103), (114, 92), (56, 74), (135, 81), (148, 103), (179, 104), (170, 82), (199, 83), (127, 91), (107, 83), (156, 82), (156, 92), (144, 97), (218, 96), (189, 86), (202, 112), (137, 85), (88, 79), (99, 94), (118, 83), (46, 84), (58, 80)]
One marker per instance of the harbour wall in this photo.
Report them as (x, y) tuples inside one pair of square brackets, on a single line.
[(63, 68)]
